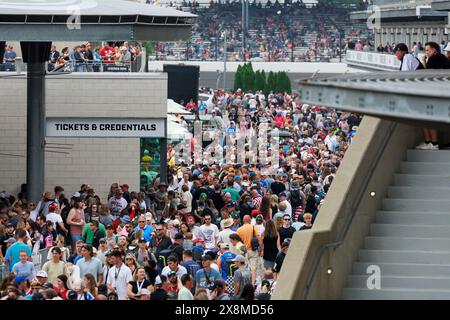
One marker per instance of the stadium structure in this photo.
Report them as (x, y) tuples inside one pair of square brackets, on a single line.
[(384, 230)]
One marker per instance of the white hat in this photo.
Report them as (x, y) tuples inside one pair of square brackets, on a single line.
[(447, 48), (148, 216), (145, 292), (42, 274)]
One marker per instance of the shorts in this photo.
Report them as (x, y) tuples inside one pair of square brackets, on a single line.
[(254, 260)]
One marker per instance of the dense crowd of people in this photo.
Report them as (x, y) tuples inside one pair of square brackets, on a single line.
[(215, 231), (276, 32), (85, 58)]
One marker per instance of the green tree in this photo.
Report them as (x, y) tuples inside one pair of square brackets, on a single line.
[(288, 86), (270, 83), (238, 78), (260, 81)]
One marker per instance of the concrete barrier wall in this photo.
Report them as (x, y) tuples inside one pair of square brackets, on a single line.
[(368, 166), (210, 71)]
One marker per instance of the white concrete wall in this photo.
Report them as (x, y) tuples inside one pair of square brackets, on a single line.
[(97, 161)]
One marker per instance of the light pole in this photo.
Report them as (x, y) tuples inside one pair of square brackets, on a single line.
[(224, 60), (244, 44)]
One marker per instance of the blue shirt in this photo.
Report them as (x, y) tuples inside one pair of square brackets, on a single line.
[(24, 270), (147, 232), (13, 253), (202, 277), (75, 261)]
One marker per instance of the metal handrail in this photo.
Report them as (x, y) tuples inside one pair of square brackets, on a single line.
[(354, 210)]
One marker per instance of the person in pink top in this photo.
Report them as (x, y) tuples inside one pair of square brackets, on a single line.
[(76, 220)]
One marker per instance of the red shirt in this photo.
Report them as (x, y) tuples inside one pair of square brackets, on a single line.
[(62, 293), (107, 53), (172, 288)]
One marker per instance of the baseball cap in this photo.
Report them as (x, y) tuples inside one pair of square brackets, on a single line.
[(9, 225), (158, 281), (53, 207), (239, 258), (447, 48), (76, 195), (125, 186), (283, 194), (230, 205), (401, 47), (125, 219), (224, 246), (190, 219), (72, 295), (171, 273), (217, 285), (199, 239), (42, 274), (19, 279), (206, 257)]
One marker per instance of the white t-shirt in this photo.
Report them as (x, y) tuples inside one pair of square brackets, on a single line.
[(180, 272), (197, 232), (117, 205), (288, 207), (210, 233), (187, 196), (55, 218), (118, 278), (331, 141), (224, 236), (410, 63)]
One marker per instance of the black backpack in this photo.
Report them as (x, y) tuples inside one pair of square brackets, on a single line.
[(162, 257), (296, 199)]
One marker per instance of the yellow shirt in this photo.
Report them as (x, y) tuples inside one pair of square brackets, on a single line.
[(54, 270), (247, 232)]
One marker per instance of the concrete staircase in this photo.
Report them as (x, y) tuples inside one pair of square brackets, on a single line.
[(410, 241)]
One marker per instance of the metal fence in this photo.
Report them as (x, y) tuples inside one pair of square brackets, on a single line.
[(73, 66), (93, 66), (38, 259)]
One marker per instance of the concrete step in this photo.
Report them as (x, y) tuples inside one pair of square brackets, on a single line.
[(403, 269), (416, 180), (435, 168), (405, 282), (404, 256), (396, 294), (428, 155), (420, 231), (418, 193), (416, 205), (413, 218), (407, 243)]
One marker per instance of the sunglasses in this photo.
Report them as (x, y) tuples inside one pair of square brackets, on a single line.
[(158, 229), (287, 219), (141, 221)]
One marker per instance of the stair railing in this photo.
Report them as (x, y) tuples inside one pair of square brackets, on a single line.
[(354, 210)]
